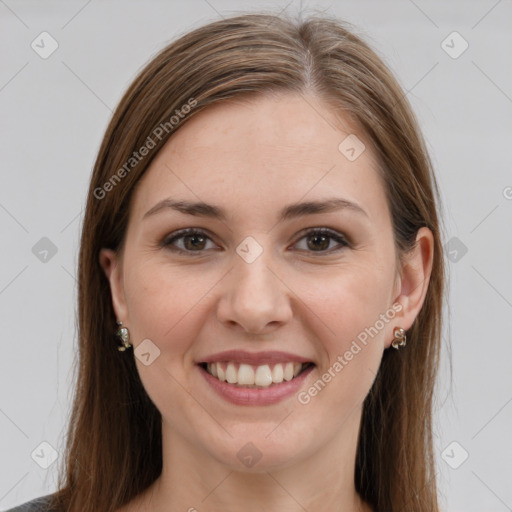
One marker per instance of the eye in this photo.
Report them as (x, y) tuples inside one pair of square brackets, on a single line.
[(193, 240), (319, 240)]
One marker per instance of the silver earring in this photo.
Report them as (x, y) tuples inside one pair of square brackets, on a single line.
[(400, 338), (124, 335)]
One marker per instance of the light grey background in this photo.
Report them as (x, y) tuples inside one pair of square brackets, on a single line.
[(54, 113)]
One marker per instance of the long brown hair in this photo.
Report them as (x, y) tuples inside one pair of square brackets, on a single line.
[(113, 449)]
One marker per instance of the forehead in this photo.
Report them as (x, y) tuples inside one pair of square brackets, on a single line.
[(254, 153), (285, 125)]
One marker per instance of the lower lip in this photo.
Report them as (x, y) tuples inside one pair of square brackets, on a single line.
[(256, 396)]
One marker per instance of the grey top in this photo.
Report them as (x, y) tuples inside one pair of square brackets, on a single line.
[(36, 505)]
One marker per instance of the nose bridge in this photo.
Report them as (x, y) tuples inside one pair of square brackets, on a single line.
[(254, 276), (252, 259), (254, 296)]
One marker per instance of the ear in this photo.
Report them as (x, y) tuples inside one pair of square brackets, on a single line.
[(111, 265), (413, 281)]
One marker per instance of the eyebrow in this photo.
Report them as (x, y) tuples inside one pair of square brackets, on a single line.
[(201, 209)]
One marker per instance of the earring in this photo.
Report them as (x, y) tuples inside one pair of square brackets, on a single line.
[(400, 338), (124, 335)]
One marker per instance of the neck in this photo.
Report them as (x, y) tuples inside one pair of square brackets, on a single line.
[(195, 482)]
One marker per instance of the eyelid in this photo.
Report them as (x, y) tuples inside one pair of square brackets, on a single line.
[(333, 234), (181, 233)]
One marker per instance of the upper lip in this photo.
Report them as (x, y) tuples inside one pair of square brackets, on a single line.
[(255, 358)]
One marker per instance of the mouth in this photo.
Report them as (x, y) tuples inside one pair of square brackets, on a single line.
[(260, 376)]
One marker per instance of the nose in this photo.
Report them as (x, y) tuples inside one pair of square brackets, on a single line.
[(254, 297)]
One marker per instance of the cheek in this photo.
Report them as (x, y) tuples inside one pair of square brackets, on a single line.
[(164, 306), (354, 309), (351, 301), (162, 300)]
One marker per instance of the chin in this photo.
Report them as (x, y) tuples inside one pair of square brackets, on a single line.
[(255, 452)]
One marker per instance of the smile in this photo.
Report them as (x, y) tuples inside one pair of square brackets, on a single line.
[(252, 376)]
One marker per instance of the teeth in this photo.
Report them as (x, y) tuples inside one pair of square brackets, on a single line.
[(221, 374), (263, 376), (277, 373), (231, 373), (254, 376), (245, 374), (288, 371)]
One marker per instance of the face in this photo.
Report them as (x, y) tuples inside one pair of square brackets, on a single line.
[(254, 286)]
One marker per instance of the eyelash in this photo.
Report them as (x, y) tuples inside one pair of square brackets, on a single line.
[(168, 242)]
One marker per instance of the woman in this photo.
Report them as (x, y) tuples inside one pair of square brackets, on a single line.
[(260, 284)]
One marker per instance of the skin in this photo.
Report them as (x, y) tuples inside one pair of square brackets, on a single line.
[(253, 157)]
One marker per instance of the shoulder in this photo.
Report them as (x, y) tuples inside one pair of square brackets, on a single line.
[(40, 504)]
